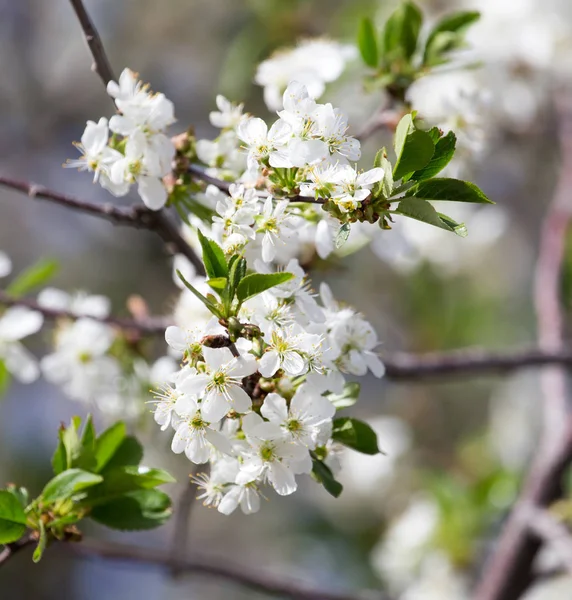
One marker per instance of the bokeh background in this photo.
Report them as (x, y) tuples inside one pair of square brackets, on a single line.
[(455, 449)]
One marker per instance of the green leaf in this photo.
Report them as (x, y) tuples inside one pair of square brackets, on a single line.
[(69, 448), (401, 32), (355, 434), (122, 480), (421, 210), (213, 257), (20, 493), (129, 453), (4, 378), (107, 444), (323, 474), (342, 235), (68, 484), (367, 42), (218, 284), (236, 272), (448, 35), (413, 148), (256, 283), (444, 151), (383, 188), (142, 509), (210, 305), (86, 458), (348, 397), (12, 518), (42, 543), (35, 276), (453, 190)]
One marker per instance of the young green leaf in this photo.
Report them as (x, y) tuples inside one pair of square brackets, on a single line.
[(68, 448), (208, 303), (128, 453), (42, 543), (218, 284), (12, 518), (348, 397), (107, 444), (236, 271), (383, 188), (213, 257), (401, 32), (342, 235), (444, 151), (454, 190), (413, 148), (421, 210), (448, 35), (256, 283), (367, 43), (323, 474), (35, 276), (355, 434), (142, 509), (122, 480), (68, 484)]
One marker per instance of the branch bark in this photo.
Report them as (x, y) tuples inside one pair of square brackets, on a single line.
[(258, 581), (10, 549), (509, 571), (138, 217), (151, 326)]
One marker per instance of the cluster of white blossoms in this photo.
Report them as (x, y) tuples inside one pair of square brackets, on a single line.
[(131, 148), (91, 360), (307, 149), (259, 410), (313, 62)]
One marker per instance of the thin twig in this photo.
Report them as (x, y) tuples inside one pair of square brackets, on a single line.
[(101, 64), (509, 571), (552, 532), (138, 217), (150, 326), (382, 118), (157, 220), (182, 520), (10, 549), (220, 569), (399, 366)]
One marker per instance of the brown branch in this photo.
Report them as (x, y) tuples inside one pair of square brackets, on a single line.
[(509, 571), (138, 217), (221, 570), (553, 533), (10, 549), (157, 221), (101, 64), (382, 118), (182, 519), (150, 326)]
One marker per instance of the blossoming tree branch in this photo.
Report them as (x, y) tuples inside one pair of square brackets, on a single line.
[(254, 385)]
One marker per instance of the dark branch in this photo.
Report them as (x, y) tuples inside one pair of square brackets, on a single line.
[(221, 570), (139, 217), (552, 532), (462, 363), (151, 326), (10, 549), (509, 570), (101, 63)]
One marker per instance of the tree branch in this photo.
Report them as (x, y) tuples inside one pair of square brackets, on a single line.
[(151, 326), (553, 533), (138, 216), (10, 549), (258, 581), (101, 64), (509, 570)]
